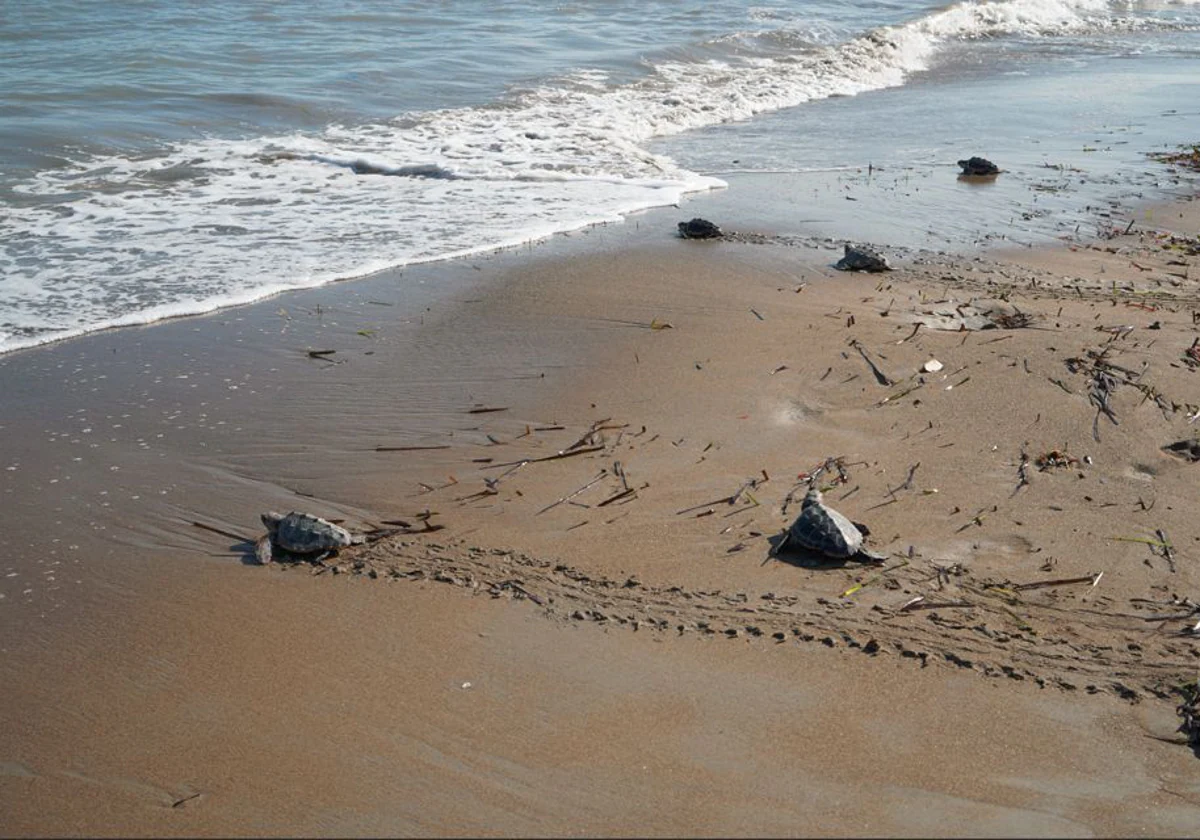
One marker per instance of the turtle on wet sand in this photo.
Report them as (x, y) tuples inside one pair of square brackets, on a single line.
[(978, 167), (300, 535), (862, 258), (699, 229), (822, 529)]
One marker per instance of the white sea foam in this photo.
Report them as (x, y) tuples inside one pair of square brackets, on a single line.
[(116, 240)]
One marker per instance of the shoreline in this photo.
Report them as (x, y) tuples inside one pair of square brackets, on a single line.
[(176, 691), (885, 189)]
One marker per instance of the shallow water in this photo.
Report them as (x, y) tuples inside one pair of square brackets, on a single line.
[(160, 158)]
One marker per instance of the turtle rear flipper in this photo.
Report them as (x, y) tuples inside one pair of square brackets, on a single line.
[(865, 555)]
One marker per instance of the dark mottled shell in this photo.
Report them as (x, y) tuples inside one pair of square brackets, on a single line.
[(699, 229), (301, 533), (978, 166), (862, 258), (822, 529)]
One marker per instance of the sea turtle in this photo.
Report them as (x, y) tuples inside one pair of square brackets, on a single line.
[(699, 229), (978, 166), (862, 258), (299, 534), (822, 529)]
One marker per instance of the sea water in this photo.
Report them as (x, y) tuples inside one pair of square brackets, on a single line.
[(166, 157)]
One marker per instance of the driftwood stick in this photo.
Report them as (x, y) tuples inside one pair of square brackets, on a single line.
[(572, 495), (731, 499), (1043, 584), (1167, 553), (920, 603), (619, 472), (880, 376), (229, 534), (728, 500), (409, 448), (624, 494), (556, 456)]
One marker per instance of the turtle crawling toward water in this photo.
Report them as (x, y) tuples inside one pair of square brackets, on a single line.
[(978, 167), (822, 529), (299, 536), (699, 229), (862, 258)]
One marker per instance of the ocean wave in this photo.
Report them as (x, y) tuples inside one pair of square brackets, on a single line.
[(151, 237)]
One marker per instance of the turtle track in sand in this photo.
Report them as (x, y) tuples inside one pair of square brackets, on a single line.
[(1058, 641)]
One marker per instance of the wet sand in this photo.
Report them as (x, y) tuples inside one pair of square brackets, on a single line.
[(546, 664)]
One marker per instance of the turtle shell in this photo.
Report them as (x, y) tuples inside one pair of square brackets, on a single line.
[(699, 229), (302, 533), (861, 258), (822, 529), (978, 166)]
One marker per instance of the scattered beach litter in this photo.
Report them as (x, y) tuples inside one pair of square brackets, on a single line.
[(699, 229), (862, 258), (1187, 157), (958, 605), (977, 167), (974, 315)]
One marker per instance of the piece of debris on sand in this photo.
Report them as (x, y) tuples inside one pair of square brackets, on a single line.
[(976, 315)]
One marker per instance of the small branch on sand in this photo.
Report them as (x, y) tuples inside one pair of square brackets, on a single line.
[(1167, 553), (728, 500), (880, 376), (229, 534), (1092, 579), (919, 603), (624, 494), (409, 448), (572, 495), (555, 457), (911, 335), (1022, 472)]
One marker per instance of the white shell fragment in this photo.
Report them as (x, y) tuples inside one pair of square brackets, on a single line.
[(932, 366)]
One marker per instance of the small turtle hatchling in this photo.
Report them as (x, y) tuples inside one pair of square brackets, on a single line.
[(299, 534), (862, 258), (978, 167), (822, 529), (699, 229)]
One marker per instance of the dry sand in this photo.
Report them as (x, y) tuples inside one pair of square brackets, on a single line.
[(619, 668)]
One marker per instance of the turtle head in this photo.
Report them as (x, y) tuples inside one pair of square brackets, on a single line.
[(812, 497), (271, 520)]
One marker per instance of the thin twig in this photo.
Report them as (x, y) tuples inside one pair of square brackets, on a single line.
[(556, 456), (570, 496), (229, 534)]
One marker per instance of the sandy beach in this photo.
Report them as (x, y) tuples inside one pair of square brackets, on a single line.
[(585, 453)]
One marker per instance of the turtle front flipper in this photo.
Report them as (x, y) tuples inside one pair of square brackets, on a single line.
[(264, 550)]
